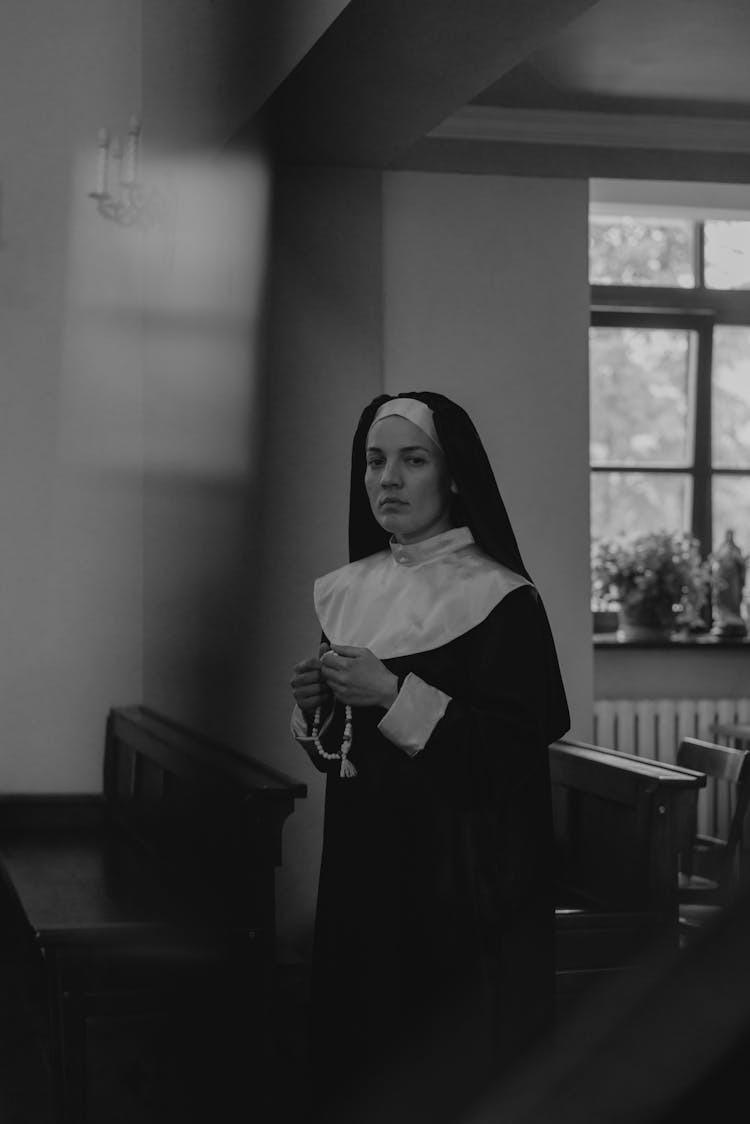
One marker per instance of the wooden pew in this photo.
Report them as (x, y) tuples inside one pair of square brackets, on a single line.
[(150, 904), (620, 821)]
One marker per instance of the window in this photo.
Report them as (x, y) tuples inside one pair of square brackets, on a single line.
[(670, 376)]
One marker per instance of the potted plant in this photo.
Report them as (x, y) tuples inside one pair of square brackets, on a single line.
[(656, 581)]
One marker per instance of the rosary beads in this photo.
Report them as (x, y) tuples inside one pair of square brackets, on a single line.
[(347, 768)]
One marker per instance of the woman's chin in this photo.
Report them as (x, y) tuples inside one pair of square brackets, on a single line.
[(390, 517)]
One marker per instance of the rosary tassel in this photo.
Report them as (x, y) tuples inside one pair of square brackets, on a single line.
[(347, 768)]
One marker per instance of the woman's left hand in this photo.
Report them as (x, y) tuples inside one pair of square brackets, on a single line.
[(356, 676)]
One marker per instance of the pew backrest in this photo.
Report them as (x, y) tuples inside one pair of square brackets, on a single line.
[(619, 823)]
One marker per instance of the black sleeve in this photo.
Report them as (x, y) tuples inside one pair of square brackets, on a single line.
[(491, 738)]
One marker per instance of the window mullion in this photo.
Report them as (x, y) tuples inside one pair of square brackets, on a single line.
[(699, 253), (701, 514)]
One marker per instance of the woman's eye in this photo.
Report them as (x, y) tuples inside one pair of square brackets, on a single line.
[(415, 460), (374, 462)]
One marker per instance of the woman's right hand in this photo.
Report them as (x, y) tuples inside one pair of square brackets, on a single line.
[(308, 686)]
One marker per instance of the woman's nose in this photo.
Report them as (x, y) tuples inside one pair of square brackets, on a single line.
[(391, 473)]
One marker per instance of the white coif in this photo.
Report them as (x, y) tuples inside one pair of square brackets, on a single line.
[(412, 598)]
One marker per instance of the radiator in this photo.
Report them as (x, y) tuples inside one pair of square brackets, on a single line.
[(654, 728)]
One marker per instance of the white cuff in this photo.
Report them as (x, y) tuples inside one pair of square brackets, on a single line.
[(416, 712)]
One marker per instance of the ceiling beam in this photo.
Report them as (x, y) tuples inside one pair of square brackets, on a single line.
[(488, 140), (596, 129), (575, 161), (386, 72)]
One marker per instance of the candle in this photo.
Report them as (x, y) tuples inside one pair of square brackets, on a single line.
[(130, 158), (116, 155), (102, 162)]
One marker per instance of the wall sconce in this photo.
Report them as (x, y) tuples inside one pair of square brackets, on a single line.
[(119, 196)]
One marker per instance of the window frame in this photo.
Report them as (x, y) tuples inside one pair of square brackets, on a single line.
[(699, 309)]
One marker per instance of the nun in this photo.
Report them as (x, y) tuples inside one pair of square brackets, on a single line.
[(430, 707)]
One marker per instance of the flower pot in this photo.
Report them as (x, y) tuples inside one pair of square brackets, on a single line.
[(604, 621), (641, 627)]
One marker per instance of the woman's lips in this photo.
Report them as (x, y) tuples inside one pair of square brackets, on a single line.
[(392, 503)]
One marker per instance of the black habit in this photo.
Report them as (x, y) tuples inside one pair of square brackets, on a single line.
[(435, 917)]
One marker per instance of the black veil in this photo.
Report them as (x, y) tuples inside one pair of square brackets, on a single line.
[(478, 505)]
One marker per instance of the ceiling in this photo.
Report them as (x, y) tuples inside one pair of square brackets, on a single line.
[(629, 89), (639, 56)]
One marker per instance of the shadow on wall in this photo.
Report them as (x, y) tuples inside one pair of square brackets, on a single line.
[(208, 67)]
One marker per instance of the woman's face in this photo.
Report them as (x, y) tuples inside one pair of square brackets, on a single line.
[(407, 481)]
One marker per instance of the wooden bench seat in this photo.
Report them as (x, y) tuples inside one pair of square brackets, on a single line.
[(620, 821), (154, 899)]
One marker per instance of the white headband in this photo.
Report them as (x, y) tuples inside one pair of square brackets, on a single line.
[(414, 411)]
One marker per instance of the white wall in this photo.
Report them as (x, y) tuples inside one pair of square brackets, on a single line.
[(324, 365), (70, 396), (248, 431), (678, 673), (486, 300)]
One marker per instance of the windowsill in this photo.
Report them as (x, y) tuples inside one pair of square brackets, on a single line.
[(692, 641)]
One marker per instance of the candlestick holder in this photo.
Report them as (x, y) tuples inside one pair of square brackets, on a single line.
[(130, 203), (135, 206)]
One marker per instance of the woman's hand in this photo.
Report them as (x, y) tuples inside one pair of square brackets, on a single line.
[(356, 676), (308, 686)]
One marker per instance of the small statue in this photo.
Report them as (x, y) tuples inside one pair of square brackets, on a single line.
[(728, 569)]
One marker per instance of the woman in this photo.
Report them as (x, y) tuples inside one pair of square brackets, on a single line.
[(431, 705)]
